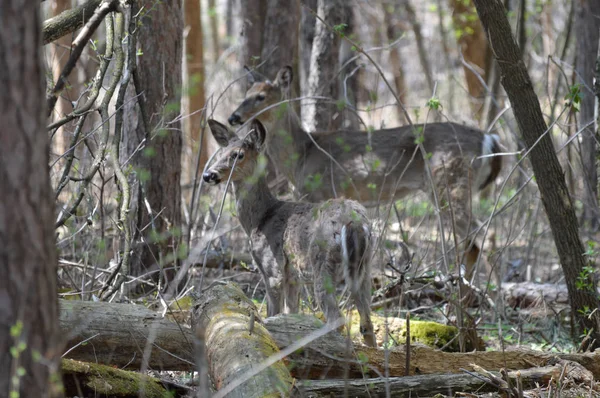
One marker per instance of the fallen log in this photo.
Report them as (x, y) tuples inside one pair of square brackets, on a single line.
[(445, 384), (94, 380), (124, 335), (117, 334), (237, 343), (528, 294)]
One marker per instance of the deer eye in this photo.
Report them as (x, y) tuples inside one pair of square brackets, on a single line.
[(236, 155), (260, 97)]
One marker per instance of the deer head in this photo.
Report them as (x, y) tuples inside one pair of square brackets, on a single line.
[(261, 93), (240, 158)]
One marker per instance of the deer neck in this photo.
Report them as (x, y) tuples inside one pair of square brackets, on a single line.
[(287, 141), (253, 201)]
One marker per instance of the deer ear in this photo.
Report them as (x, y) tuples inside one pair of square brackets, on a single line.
[(284, 77), (253, 76), (257, 134), (221, 133)]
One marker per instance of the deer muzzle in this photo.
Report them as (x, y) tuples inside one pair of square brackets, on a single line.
[(211, 177), (234, 119)]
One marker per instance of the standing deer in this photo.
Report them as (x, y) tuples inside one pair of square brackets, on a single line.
[(380, 166), (295, 243)]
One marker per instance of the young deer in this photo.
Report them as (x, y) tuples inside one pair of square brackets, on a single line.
[(295, 243), (380, 166)]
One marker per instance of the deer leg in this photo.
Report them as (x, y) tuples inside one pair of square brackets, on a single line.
[(325, 294), (362, 300), (292, 299), (273, 282)]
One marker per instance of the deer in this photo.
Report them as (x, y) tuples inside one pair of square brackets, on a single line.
[(296, 243), (378, 166)]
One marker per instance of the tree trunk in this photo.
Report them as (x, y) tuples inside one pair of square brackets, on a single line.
[(153, 124), (236, 343), (393, 33), (587, 27), (59, 54), (194, 99), (474, 48), (253, 20), (117, 334), (421, 50), (549, 174), (323, 75), (280, 35), (214, 29), (30, 353), (307, 35)]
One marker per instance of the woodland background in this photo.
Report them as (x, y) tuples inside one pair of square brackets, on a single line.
[(128, 90)]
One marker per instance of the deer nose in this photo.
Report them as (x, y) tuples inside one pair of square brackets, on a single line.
[(211, 177), (234, 119)]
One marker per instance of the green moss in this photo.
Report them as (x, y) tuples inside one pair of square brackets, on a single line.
[(432, 334), (425, 332), (105, 380)]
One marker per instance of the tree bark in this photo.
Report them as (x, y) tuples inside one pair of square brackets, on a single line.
[(59, 54), (323, 75), (421, 50), (30, 353), (194, 99), (236, 342), (69, 21), (153, 122), (549, 175), (444, 384), (253, 20), (474, 49), (307, 35), (94, 380), (280, 36), (214, 29), (393, 32), (117, 334), (587, 27)]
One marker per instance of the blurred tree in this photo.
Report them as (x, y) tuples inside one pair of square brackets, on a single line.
[(152, 123), (214, 29), (411, 16), (579, 275), (59, 54), (587, 27), (280, 35), (30, 338), (474, 49), (324, 70), (393, 33), (194, 98), (253, 18), (307, 35)]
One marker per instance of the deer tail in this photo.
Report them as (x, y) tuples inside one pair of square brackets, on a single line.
[(490, 165), (355, 242)]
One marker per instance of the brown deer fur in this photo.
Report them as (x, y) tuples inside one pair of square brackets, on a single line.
[(320, 244)]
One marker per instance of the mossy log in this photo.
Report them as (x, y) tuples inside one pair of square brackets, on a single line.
[(445, 384), (118, 334), (237, 344), (85, 379)]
